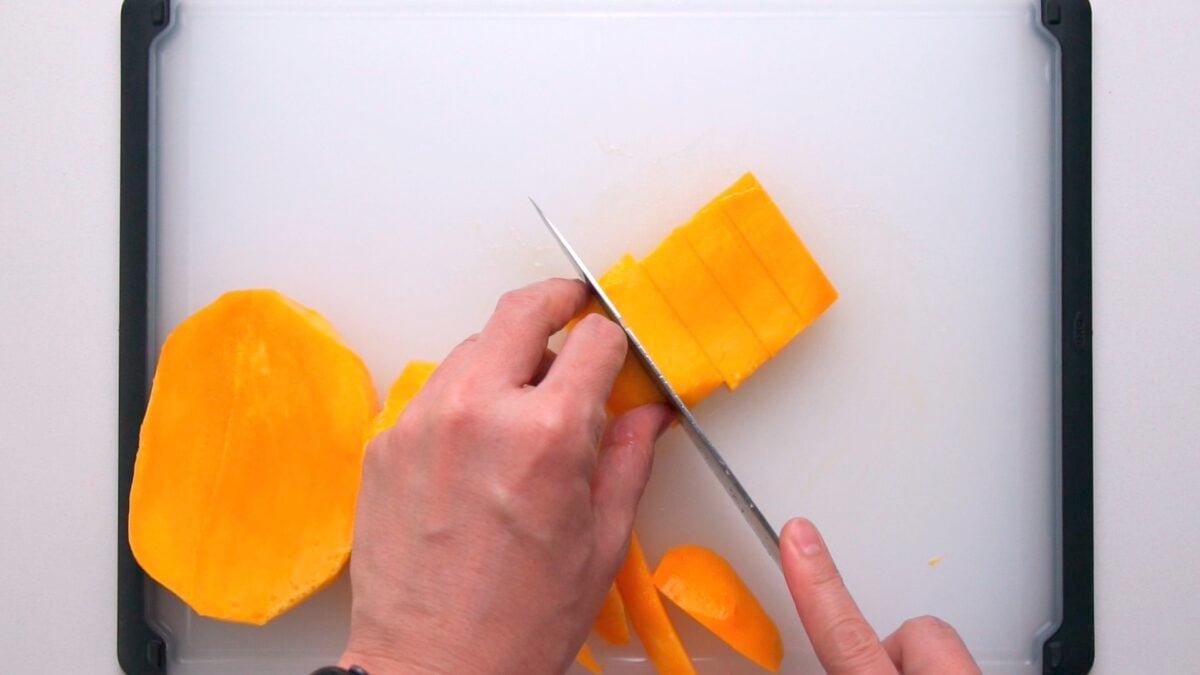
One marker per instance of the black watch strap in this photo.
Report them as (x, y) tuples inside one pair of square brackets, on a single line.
[(334, 670)]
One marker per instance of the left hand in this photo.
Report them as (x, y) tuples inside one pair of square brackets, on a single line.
[(488, 528)]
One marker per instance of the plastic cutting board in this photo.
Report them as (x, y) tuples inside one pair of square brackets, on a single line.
[(372, 159)]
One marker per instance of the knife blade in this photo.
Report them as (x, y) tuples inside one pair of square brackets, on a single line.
[(712, 457)]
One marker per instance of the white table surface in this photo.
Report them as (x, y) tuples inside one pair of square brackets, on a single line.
[(59, 145)]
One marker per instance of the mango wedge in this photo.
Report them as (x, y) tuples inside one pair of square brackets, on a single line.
[(585, 659), (610, 623), (410, 380), (705, 586), (704, 308), (648, 616)]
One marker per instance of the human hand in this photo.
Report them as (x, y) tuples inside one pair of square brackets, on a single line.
[(488, 528), (843, 640)]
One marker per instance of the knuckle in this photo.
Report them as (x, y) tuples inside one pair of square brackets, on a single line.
[(523, 303), (456, 408), (854, 643), (551, 423), (407, 426), (462, 347), (467, 341), (604, 328), (928, 625)]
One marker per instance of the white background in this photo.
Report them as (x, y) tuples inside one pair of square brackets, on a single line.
[(59, 148)]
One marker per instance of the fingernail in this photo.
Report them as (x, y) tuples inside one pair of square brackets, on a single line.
[(803, 537)]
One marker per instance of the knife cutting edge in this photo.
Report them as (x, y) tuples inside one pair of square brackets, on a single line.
[(712, 457)]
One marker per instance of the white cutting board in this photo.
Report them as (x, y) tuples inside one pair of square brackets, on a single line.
[(372, 159)]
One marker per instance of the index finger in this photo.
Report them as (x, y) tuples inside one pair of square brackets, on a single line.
[(513, 342), (843, 640), (589, 361)]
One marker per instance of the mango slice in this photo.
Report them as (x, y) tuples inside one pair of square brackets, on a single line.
[(755, 216), (648, 616), (704, 585), (669, 342), (743, 278), (585, 659), (406, 386), (250, 452), (610, 623), (704, 308)]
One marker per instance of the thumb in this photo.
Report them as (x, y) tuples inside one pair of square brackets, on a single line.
[(626, 454)]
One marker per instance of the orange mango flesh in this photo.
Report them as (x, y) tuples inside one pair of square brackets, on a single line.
[(672, 346), (585, 659), (746, 282), (736, 257), (704, 585), (406, 386), (704, 308), (610, 623), (248, 384), (768, 234), (649, 616), (634, 387)]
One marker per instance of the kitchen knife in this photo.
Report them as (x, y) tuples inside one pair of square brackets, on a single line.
[(712, 457)]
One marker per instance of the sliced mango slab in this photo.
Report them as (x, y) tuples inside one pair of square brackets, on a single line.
[(756, 217), (735, 279), (403, 389), (705, 585), (669, 342), (704, 308), (745, 281), (585, 659), (649, 616), (610, 623)]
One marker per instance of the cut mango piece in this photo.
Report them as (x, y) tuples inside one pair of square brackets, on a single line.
[(755, 216), (704, 585), (610, 623), (661, 332), (698, 300), (743, 278), (249, 459), (632, 388), (406, 386), (585, 659), (648, 616)]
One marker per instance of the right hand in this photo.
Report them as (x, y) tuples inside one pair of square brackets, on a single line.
[(843, 640)]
